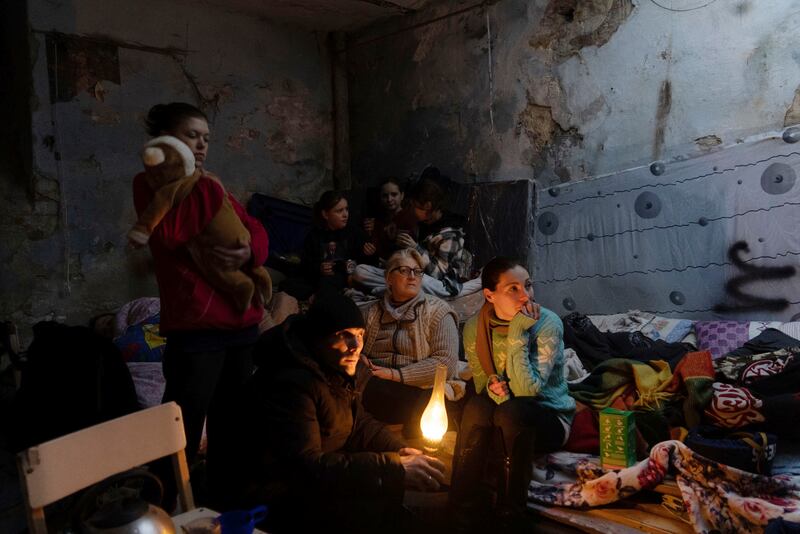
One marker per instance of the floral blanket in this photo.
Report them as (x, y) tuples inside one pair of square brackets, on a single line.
[(717, 497)]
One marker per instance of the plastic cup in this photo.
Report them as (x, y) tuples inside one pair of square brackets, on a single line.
[(241, 521)]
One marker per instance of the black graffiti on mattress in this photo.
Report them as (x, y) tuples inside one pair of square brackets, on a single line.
[(752, 273)]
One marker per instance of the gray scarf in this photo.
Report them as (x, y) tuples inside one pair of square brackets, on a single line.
[(398, 312)]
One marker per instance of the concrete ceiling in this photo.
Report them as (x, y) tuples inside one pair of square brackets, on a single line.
[(325, 15)]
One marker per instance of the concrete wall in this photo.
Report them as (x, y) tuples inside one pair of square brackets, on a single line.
[(266, 89), (563, 90)]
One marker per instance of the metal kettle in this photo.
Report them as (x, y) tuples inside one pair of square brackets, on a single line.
[(130, 515), (121, 504)]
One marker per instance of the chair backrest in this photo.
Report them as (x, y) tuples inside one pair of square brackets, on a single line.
[(54, 469)]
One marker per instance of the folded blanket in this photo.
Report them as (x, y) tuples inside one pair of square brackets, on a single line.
[(717, 497), (612, 377), (656, 383)]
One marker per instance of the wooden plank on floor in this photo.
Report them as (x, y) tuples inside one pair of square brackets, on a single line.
[(581, 520), (617, 520), (657, 509), (643, 521)]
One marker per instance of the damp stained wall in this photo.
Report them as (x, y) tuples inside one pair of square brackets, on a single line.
[(567, 90), (96, 66)]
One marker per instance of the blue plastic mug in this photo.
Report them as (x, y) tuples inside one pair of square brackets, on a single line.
[(241, 521)]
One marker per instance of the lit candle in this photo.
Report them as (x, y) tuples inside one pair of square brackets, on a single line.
[(434, 418)]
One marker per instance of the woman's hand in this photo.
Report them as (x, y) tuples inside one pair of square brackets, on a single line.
[(387, 373), (423, 473), (498, 386), (369, 249), (531, 309), (326, 268), (230, 259), (405, 240)]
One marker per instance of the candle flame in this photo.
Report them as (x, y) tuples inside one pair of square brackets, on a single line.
[(434, 419)]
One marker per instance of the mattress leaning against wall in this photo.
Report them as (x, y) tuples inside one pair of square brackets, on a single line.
[(715, 236)]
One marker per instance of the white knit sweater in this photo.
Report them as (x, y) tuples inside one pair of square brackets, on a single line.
[(413, 338)]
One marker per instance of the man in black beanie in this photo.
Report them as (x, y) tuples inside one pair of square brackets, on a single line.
[(300, 441)]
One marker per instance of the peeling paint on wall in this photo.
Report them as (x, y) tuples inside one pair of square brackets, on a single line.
[(567, 26), (527, 123), (792, 116), (238, 142), (549, 141), (537, 123), (707, 142), (297, 124), (76, 64), (624, 82)]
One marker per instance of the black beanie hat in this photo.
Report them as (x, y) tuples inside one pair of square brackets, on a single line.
[(331, 313)]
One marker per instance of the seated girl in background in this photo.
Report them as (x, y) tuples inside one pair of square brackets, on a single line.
[(408, 334), (517, 361), (383, 228), (333, 247)]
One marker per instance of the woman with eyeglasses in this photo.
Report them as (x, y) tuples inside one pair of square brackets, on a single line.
[(516, 352), (408, 334)]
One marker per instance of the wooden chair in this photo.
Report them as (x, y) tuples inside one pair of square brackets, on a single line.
[(57, 468)]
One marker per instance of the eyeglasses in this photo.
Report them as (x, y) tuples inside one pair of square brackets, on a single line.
[(408, 271)]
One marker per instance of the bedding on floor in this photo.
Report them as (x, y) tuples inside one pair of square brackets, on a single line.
[(743, 378), (716, 497)]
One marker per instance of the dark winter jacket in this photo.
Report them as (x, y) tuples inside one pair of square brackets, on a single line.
[(73, 379), (300, 442)]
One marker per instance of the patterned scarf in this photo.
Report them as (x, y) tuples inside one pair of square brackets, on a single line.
[(488, 322)]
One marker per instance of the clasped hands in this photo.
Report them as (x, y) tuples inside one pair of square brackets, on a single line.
[(497, 384)]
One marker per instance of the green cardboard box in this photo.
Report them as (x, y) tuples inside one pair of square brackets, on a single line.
[(617, 439)]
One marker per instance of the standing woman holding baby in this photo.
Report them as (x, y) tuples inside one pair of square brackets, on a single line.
[(209, 342)]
